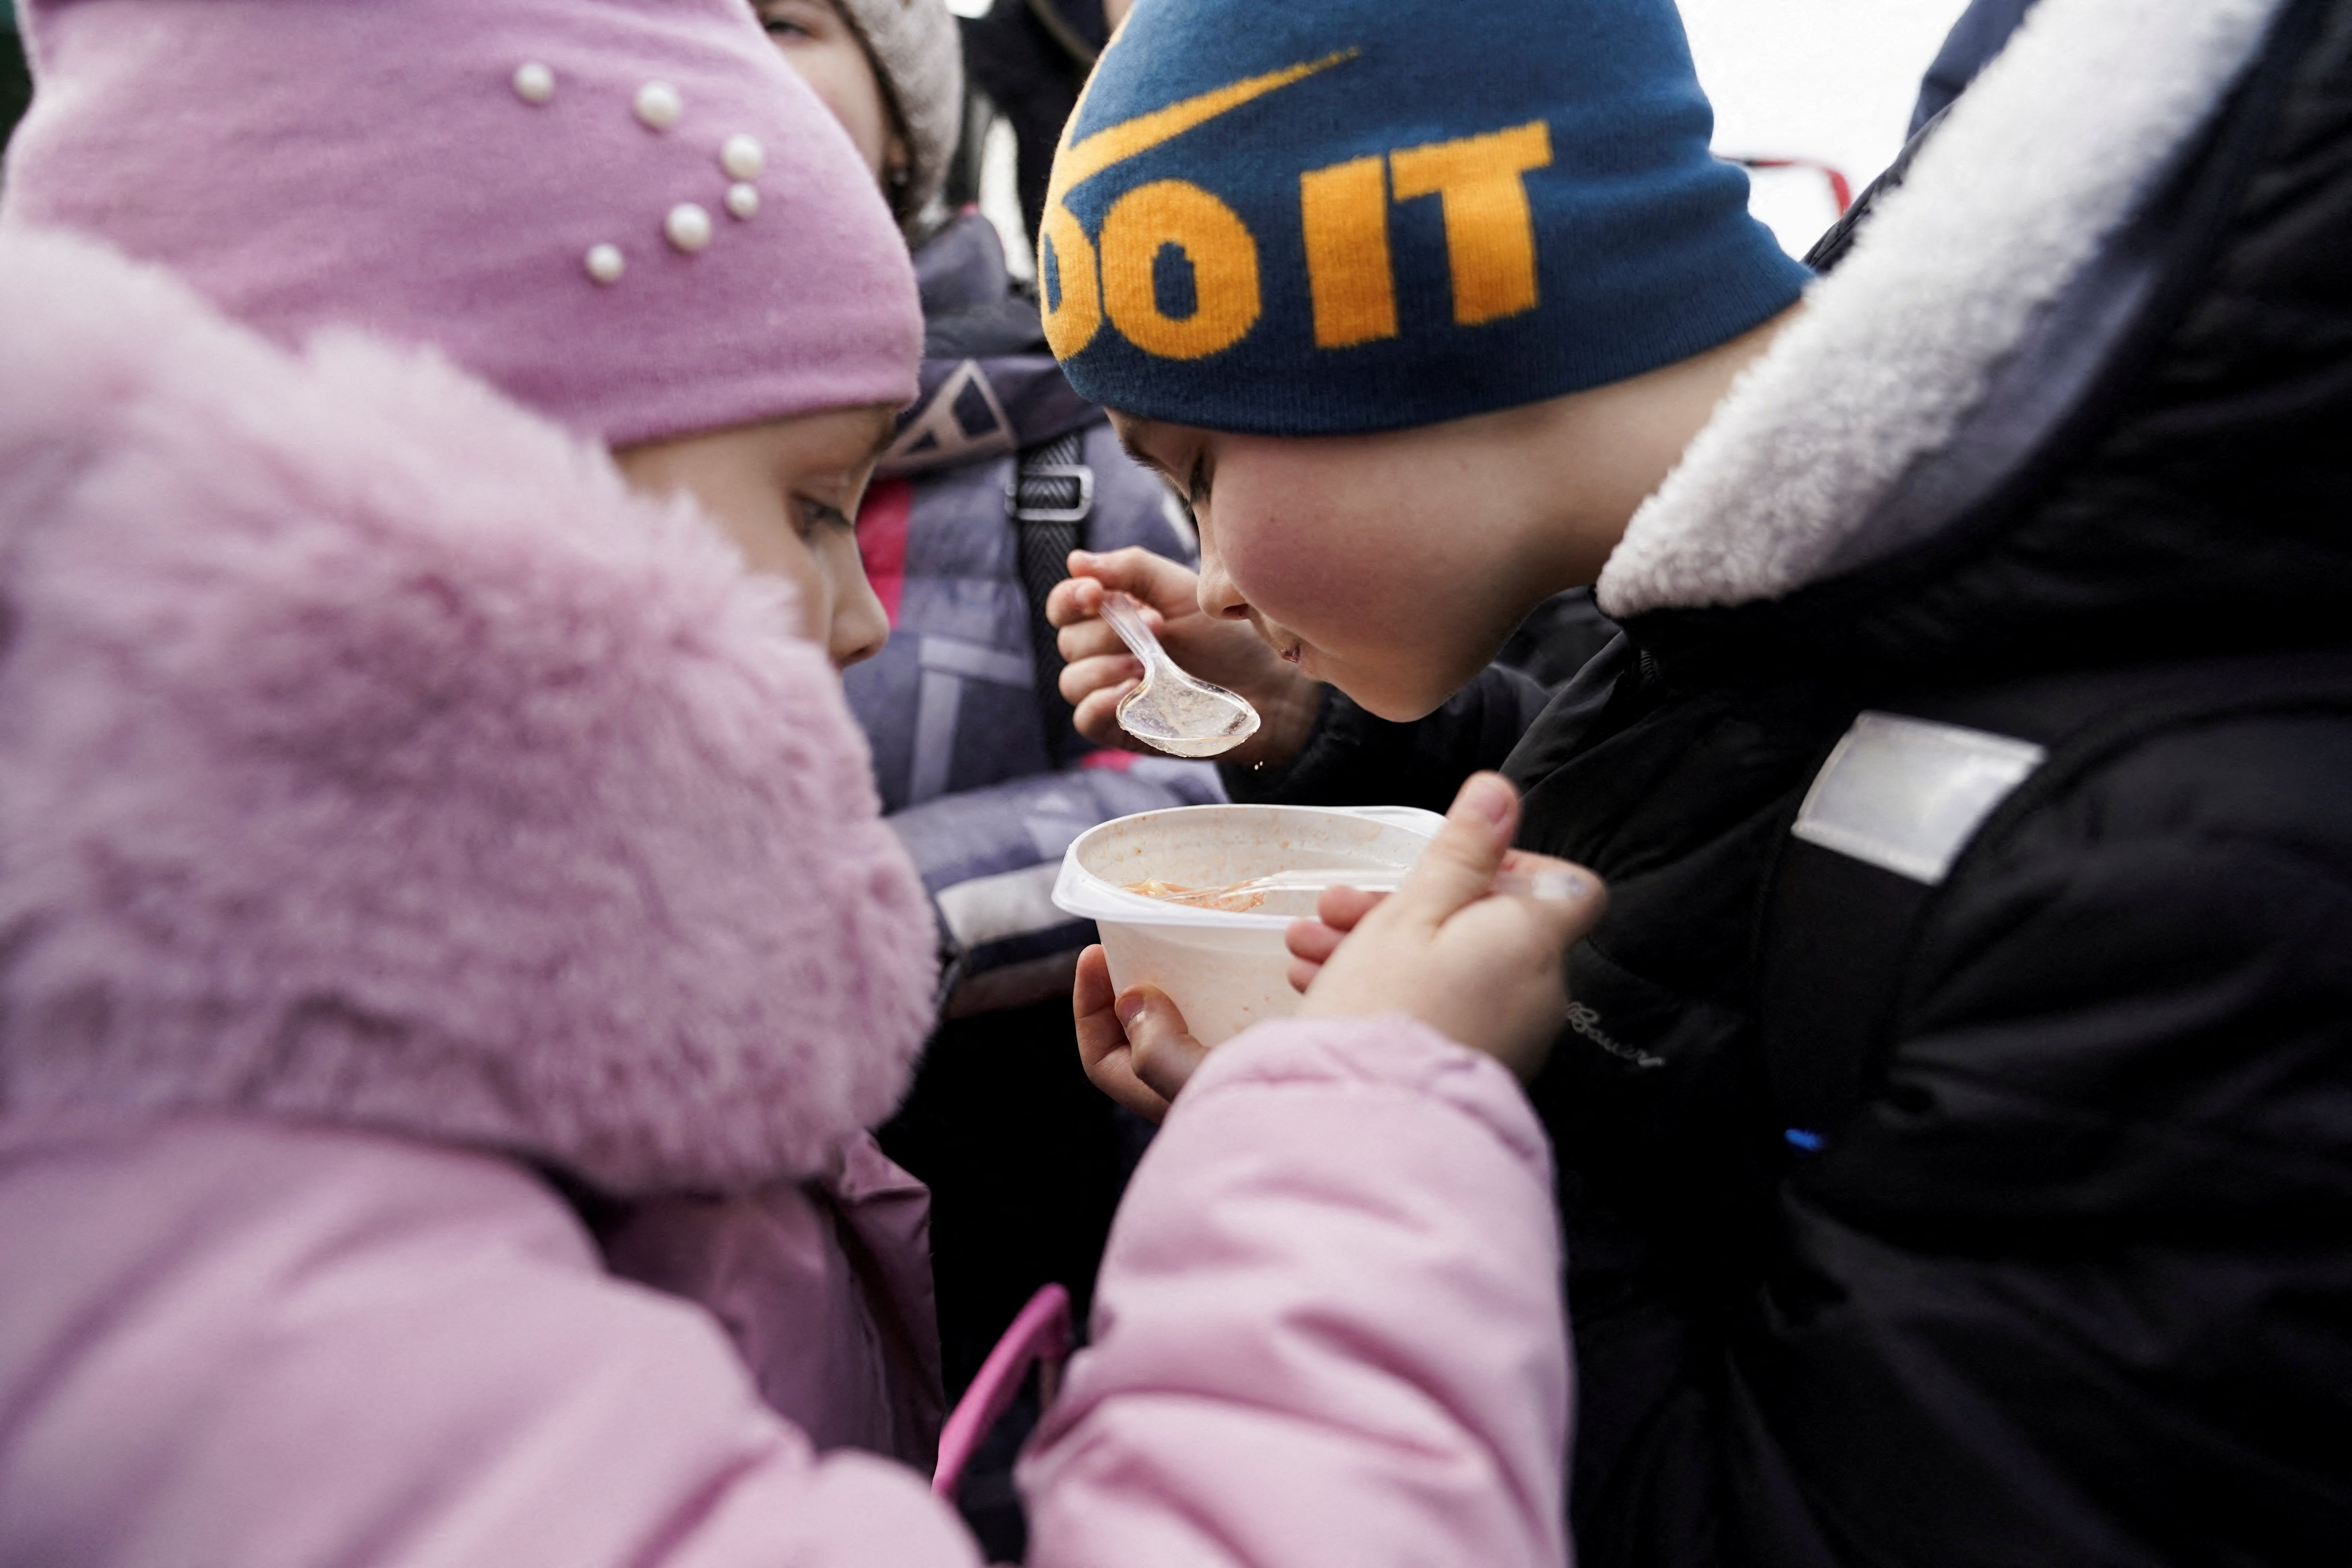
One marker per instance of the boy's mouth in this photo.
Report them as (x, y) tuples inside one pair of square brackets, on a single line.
[(1289, 648)]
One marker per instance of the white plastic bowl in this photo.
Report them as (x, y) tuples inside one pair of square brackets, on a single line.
[(1224, 971)]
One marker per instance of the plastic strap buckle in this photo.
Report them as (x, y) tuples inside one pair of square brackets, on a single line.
[(1018, 495)]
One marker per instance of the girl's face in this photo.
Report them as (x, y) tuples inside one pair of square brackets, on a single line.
[(787, 492), (818, 42)]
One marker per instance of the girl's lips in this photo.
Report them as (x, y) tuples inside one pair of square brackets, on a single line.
[(1291, 654)]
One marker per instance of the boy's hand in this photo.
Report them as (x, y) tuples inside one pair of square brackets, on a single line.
[(1135, 1047), (1098, 670), (1479, 967)]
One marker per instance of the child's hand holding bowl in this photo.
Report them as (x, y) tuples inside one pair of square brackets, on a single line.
[(1480, 967)]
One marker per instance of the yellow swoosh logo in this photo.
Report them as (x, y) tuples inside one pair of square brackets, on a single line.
[(1078, 161)]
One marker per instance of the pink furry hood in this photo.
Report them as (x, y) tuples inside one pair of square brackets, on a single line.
[(369, 754)]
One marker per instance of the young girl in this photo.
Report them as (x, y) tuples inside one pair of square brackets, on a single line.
[(411, 814)]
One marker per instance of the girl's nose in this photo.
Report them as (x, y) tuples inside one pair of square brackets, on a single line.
[(860, 626)]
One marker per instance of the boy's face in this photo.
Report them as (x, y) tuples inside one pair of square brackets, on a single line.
[(1392, 565), (787, 492)]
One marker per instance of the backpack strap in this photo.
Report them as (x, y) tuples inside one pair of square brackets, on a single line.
[(1049, 499), (1891, 819)]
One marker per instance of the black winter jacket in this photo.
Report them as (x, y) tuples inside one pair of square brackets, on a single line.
[(2066, 1275)]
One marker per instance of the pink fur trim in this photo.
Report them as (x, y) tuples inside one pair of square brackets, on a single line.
[(369, 753)]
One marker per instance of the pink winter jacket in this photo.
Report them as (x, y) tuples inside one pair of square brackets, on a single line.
[(394, 808)]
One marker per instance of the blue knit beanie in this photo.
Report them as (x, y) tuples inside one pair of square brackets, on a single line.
[(1310, 218)]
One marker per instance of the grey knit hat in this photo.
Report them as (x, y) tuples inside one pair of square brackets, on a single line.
[(918, 55)]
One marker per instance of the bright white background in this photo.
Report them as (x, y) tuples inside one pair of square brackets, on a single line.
[(1832, 80)]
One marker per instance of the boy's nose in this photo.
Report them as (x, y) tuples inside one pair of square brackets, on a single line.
[(1217, 595)]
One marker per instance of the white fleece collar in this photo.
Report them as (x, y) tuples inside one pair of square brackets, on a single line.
[(2042, 159)]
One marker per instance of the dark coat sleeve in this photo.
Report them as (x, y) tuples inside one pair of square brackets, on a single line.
[(2077, 1285)]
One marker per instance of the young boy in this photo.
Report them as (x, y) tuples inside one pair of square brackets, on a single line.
[(1951, 1108)]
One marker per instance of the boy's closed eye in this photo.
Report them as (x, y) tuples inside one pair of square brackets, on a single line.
[(1196, 482), (1154, 447)]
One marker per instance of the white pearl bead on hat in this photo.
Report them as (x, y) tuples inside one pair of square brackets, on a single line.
[(688, 226), (742, 157), (606, 263), (533, 82), (742, 200), (658, 105)]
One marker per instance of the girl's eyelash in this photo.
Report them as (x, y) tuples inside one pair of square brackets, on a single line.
[(817, 513)]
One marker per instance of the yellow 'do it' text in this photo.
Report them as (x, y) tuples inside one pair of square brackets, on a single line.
[(1343, 212)]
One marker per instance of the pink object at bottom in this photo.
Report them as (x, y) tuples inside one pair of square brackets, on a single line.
[(1040, 1335)]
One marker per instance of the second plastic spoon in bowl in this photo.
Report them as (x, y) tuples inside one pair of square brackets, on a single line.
[(1170, 709)]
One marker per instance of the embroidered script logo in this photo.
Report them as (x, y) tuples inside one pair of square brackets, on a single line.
[(1586, 1021), (1113, 274)]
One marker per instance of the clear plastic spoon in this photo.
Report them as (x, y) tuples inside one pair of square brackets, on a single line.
[(1180, 714)]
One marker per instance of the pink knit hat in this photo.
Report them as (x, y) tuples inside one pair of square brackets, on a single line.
[(630, 215)]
